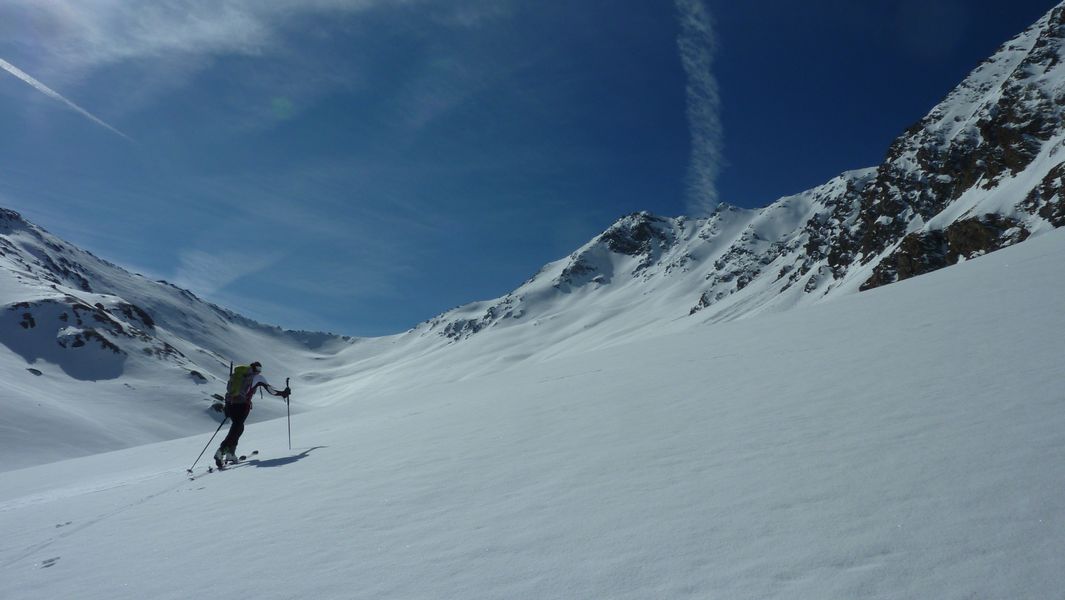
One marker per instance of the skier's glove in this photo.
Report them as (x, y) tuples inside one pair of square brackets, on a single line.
[(285, 393)]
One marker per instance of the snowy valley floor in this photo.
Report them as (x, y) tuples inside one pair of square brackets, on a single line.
[(907, 442)]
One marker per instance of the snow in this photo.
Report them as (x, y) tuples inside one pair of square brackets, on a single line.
[(101, 399), (905, 442)]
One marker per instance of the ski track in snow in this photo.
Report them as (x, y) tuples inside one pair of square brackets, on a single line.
[(74, 529)]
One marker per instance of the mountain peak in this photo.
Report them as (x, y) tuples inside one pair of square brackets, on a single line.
[(637, 233), (11, 220)]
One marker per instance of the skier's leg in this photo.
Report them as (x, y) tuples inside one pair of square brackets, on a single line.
[(237, 413)]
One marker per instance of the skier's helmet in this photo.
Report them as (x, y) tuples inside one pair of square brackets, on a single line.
[(256, 366)]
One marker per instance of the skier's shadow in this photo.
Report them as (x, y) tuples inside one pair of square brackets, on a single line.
[(285, 460)]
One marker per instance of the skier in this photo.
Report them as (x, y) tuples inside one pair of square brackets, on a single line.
[(242, 385)]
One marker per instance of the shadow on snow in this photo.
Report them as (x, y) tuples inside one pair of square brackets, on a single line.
[(285, 460)]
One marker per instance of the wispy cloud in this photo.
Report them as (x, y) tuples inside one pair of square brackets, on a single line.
[(37, 85), (168, 44), (111, 31), (105, 32), (696, 43), (208, 272)]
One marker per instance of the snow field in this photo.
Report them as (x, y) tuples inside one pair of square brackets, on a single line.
[(901, 443)]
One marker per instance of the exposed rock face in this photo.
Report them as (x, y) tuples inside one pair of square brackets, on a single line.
[(989, 129), (923, 252), (640, 234), (1047, 200)]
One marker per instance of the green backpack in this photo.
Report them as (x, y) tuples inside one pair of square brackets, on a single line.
[(237, 383)]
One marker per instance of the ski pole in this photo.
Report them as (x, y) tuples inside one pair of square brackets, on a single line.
[(288, 409), (224, 419)]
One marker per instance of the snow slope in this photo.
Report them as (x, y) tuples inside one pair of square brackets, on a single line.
[(905, 442)]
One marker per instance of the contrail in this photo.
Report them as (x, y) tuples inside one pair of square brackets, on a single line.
[(696, 44), (17, 72)]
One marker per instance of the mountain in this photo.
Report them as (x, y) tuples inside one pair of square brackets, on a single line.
[(85, 346), (983, 170)]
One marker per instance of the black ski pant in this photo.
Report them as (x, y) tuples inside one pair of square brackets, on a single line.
[(238, 413)]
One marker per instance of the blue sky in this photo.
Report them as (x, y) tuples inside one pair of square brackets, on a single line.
[(358, 166)]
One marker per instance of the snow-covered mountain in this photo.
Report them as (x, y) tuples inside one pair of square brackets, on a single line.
[(983, 170), (85, 346)]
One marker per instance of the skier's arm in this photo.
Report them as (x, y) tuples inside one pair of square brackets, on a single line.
[(260, 381)]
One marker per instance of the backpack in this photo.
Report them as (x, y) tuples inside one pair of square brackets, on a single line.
[(238, 384)]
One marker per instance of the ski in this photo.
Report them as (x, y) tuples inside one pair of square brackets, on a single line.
[(221, 465), (211, 469), (240, 459)]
